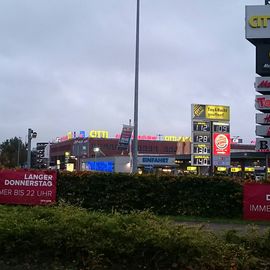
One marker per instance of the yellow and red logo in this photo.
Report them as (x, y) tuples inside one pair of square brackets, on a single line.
[(221, 144)]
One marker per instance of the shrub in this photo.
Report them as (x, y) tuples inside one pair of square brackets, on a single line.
[(166, 195), (67, 237)]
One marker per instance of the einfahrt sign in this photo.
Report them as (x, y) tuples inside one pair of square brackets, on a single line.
[(256, 203), (32, 187)]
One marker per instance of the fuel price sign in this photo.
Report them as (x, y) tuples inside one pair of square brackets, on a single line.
[(203, 126), (221, 127), (201, 148), (201, 160), (201, 137)]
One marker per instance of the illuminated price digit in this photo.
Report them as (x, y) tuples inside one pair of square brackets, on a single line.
[(201, 149), (201, 126), (221, 128), (201, 138)]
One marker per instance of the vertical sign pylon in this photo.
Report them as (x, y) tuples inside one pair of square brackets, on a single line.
[(257, 26)]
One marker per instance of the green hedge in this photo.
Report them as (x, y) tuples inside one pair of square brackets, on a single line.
[(166, 195), (72, 238)]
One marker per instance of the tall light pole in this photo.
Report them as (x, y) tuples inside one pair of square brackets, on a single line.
[(30, 136), (135, 140), (96, 150), (18, 154)]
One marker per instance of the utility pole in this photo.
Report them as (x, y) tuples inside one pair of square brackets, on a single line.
[(266, 165), (18, 154), (130, 151), (135, 140), (30, 136)]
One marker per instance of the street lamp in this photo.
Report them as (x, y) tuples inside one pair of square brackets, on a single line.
[(18, 154), (97, 152), (31, 134), (135, 140)]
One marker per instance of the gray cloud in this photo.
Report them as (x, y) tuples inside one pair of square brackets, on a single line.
[(69, 65)]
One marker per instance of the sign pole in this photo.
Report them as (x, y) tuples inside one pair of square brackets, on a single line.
[(136, 90), (212, 147), (29, 148), (266, 166), (130, 151)]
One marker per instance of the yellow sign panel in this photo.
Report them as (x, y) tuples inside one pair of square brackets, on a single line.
[(70, 167), (259, 21), (236, 169), (202, 156), (191, 168), (70, 135), (249, 169), (217, 112), (177, 138), (99, 134), (211, 112), (221, 169)]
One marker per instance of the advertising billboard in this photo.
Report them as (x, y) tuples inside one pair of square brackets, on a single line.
[(263, 59), (263, 131), (210, 112), (262, 85), (256, 201), (263, 118), (262, 103), (123, 143), (206, 121), (221, 144), (262, 145), (257, 22), (32, 187)]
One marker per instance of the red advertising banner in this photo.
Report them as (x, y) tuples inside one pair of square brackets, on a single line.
[(124, 140), (33, 187), (256, 201), (221, 144)]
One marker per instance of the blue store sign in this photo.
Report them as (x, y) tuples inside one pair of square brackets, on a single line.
[(156, 161)]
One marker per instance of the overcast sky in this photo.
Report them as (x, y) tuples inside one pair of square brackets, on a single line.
[(68, 65)]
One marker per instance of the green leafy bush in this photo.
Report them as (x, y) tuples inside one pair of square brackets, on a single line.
[(66, 237), (166, 195), (254, 241)]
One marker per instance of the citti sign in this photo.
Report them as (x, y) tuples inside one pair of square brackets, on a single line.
[(104, 134), (82, 134)]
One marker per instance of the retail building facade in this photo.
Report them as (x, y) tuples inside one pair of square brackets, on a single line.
[(153, 155)]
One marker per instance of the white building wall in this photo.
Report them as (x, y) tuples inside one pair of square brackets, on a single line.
[(122, 164)]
